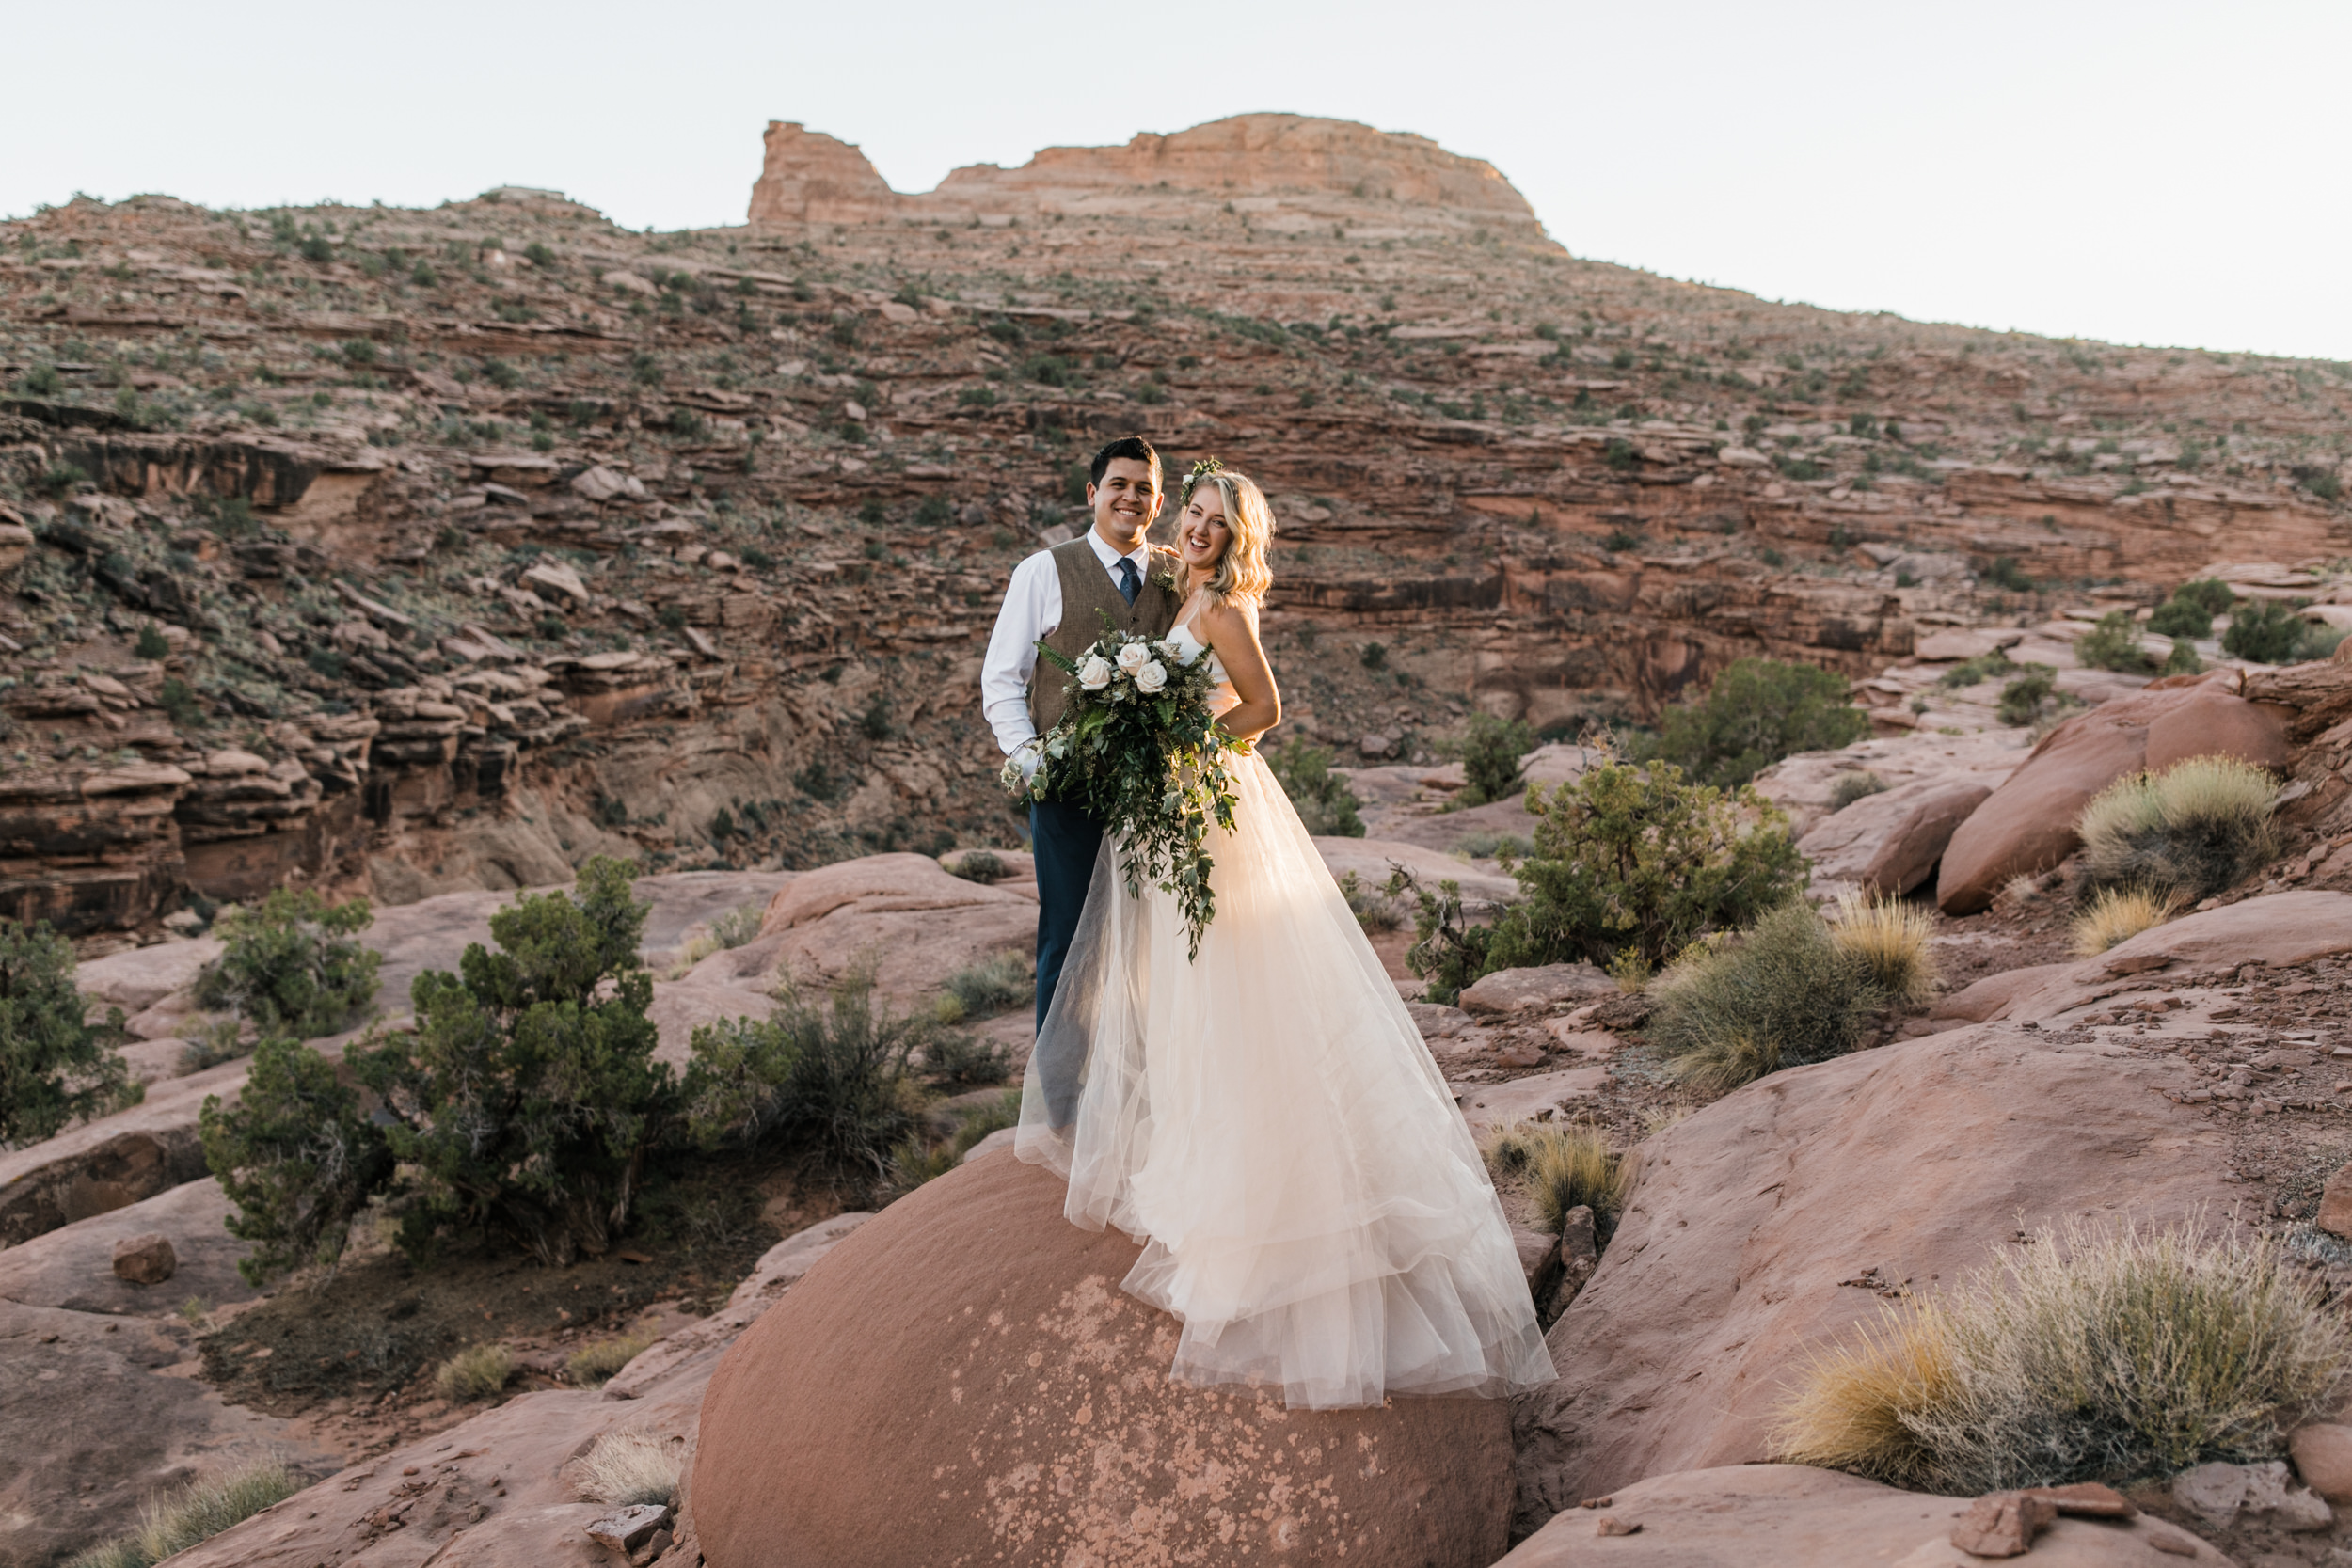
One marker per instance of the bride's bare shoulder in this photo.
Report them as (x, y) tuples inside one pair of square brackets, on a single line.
[(1229, 617)]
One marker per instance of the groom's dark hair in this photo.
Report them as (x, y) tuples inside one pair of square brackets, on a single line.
[(1126, 446)]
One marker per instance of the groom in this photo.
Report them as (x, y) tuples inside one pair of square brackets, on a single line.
[(1060, 596)]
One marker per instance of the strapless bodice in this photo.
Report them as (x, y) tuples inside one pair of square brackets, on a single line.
[(1189, 648)]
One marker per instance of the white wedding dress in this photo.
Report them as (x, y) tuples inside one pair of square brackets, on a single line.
[(1268, 1122)]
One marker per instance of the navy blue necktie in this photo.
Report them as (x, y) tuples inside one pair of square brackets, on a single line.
[(1129, 584)]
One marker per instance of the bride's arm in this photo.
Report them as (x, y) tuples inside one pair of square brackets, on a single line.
[(1232, 632)]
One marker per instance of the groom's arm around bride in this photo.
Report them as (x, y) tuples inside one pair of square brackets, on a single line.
[(1059, 596)]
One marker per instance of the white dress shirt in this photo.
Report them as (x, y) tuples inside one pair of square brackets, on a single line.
[(1033, 610)]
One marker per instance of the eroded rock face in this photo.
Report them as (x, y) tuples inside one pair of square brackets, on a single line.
[(1891, 842), (1755, 1218), (963, 1381)]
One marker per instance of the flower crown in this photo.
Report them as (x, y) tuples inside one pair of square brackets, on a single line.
[(1201, 470)]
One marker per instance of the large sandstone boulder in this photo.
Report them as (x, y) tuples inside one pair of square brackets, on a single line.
[(900, 915), (963, 1381), (2028, 824), (111, 1161), (1891, 842), (1764, 1225), (1373, 858), (2212, 723), (1793, 1516)]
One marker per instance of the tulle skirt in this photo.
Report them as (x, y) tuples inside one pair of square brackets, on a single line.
[(1266, 1119)]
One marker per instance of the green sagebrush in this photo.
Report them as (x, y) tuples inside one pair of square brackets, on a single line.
[(55, 1068), (1138, 748)]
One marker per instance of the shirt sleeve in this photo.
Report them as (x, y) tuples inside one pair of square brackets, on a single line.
[(1032, 610)]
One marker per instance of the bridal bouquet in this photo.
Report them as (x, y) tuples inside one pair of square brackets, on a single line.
[(1138, 748)]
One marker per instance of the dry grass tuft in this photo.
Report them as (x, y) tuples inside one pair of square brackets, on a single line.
[(2085, 1354), (1852, 1405), (626, 1468), (593, 1365), (1889, 938), (1565, 1167), (193, 1514), (2185, 834), (2117, 915), (476, 1372), (1779, 995)]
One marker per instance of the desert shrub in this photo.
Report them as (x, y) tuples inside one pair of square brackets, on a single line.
[(1488, 844), (297, 1155), (2087, 1354), (595, 1364), (1565, 1167), (2030, 697), (293, 965), (1847, 788), (980, 865), (738, 926), (150, 645), (988, 987), (1890, 939), (834, 1076), (193, 1514), (476, 1372), (919, 1159), (1781, 995), (1756, 712), (953, 1059), (2182, 834), (1490, 758), (55, 1068), (1449, 951), (2269, 632), (1977, 670), (2113, 645), (1327, 807), (2190, 611), (628, 1468), (528, 1097), (2118, 915), (1638, 858), (1373, 910)]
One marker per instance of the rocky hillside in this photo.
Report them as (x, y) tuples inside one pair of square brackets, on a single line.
[(421, 551)]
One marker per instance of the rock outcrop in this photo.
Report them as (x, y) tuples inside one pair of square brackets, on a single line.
[(1769, 1222), (963, 1381)]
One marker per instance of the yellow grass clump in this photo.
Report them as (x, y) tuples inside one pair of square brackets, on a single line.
[(193, 1514), (2117, 915), (475, 1372), (1565, 1169), (626, 1468), (2184, 834), (594, 1364), (2087, 1354), (1889, 938)]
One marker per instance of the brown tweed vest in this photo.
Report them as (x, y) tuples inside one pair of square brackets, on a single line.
[(1088, 594)]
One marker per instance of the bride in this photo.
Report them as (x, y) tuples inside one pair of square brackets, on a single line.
[(1265, 1119)]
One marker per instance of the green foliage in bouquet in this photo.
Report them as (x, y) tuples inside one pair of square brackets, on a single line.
[(1138, 748)]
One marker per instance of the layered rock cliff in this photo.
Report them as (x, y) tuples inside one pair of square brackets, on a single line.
[(424, 551)]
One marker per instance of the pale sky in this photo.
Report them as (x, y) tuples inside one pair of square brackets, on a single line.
[(2140, 172)]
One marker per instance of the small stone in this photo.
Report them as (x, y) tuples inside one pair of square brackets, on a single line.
[(2323, 1457), (2335, 1202), (2086, 1499), (626, 1529), (1609, 1524), (1596, 1502), (2003, 1524), (146, 1259)]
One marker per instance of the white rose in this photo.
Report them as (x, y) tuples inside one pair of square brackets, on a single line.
[(1131, 658), (1152, 677), (1166, 649), (1095, 674)]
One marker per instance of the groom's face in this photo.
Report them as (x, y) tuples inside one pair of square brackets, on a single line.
[(1126, 498)]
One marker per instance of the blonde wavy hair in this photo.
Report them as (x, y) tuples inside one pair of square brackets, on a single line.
[(1242, 572)]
